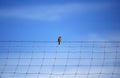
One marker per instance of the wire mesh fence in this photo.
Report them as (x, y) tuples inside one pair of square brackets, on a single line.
[(71, 59)]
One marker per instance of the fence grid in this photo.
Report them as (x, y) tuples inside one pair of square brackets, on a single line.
[(71, 59)]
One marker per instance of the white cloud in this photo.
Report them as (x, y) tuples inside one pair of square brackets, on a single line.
[(51, 12), (105, 37)]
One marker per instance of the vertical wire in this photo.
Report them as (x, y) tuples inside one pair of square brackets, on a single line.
[(8, 52), (42, 61), (19, 58), (30, 61), (79, 60), (115, 61), (53, 67), (91, 60), (66, 62), (103, 60)]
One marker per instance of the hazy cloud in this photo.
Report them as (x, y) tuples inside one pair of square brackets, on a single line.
[(51, 12)]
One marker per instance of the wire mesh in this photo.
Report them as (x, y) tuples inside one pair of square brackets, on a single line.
[(71, 59)]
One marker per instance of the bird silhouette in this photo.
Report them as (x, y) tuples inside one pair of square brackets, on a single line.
[(59, 40)]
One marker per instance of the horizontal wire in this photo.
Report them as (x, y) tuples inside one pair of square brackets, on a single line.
[(57, 65), (61, 58), (62, 74), (95, 41), (63, 46), (36, 51)]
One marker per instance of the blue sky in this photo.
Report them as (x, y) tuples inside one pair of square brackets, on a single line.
[(72, 19)]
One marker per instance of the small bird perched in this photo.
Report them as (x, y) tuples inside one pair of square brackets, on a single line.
[(59, 39)]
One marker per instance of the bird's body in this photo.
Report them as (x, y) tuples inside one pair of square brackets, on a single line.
[(59, 39)]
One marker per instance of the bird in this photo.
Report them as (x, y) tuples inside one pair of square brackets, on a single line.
[(59, 40)]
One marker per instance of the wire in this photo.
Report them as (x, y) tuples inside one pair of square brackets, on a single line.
[(47, 59)]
